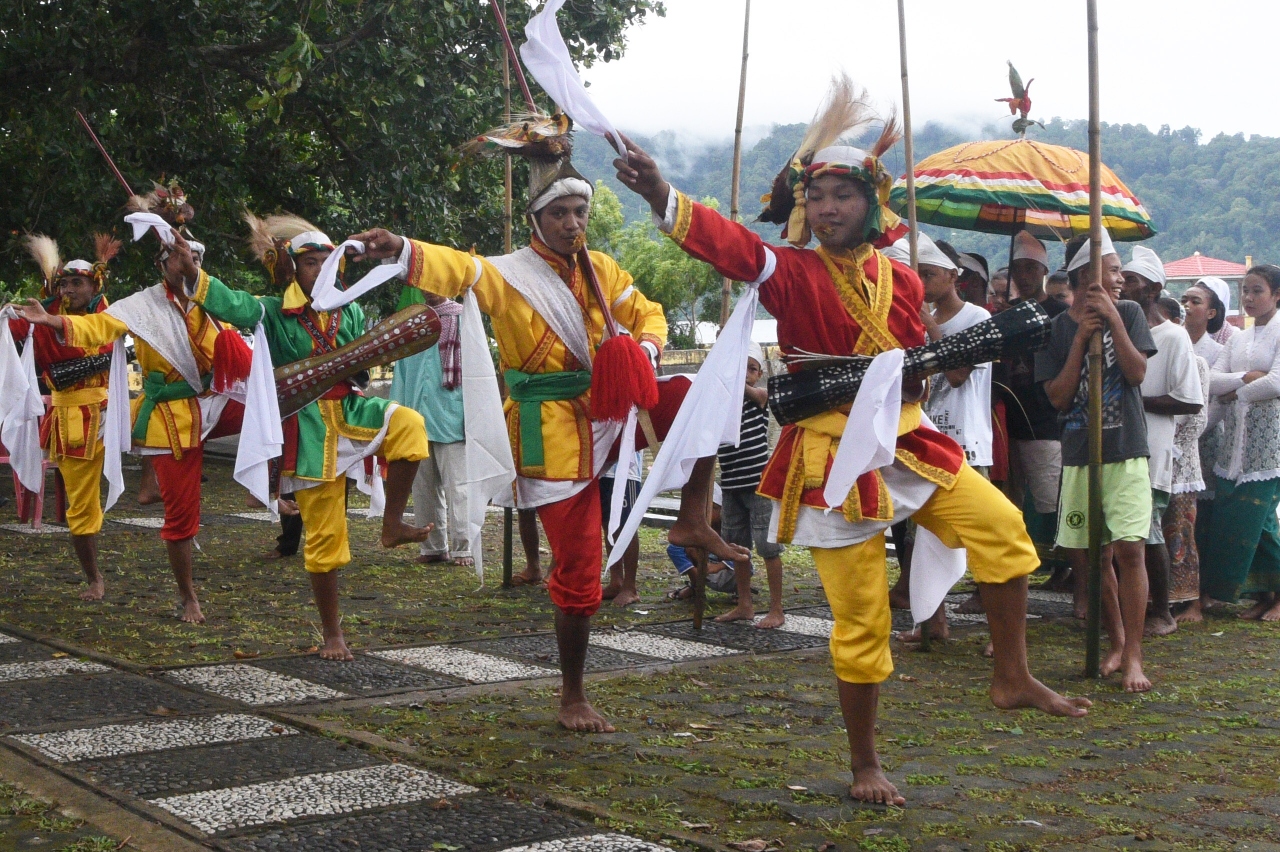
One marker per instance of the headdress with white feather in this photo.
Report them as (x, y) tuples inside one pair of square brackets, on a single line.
[(277, 239)]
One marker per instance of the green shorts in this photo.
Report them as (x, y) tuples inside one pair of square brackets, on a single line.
[(1126, 503)]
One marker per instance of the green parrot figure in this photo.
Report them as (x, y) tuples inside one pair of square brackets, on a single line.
[(1020, 102)]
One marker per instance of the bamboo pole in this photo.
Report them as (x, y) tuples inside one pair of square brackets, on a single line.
[(908, 148), (507, 535), (1093, 636), (726, 291)]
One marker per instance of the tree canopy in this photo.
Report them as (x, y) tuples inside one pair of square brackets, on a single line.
[(345, 112)]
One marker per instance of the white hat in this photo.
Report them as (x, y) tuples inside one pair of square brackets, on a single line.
[(754, 351), (1027, 247), (971, 263), (927, 252), (899, 251), (562, 189), (1082, 256), (1221, 288), (1147, 264)]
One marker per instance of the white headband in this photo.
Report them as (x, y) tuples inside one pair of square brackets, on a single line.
[(927, 252), (971, 263), (1147, 264), (1027, 247), (561, 189), (312, 239), (1082, 256), (77, 267), (1221, 288)]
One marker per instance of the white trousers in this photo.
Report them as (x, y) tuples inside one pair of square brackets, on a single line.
[(437, 492)]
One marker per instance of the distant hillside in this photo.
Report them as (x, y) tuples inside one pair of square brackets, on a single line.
[(1221, 198)]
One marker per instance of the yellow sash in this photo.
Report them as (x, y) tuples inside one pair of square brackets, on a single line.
[(72, 430)]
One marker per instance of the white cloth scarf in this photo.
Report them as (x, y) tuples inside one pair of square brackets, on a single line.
[(262, 432), (325, 295), (547, 58), (545, 291), (20, 405)]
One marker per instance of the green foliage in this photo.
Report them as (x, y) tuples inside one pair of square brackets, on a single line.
[(604, 228), (346, 112)]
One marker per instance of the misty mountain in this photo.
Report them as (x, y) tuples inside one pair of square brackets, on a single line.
[(1221, 198)]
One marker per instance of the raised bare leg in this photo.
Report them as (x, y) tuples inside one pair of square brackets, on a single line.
[(692, 528), (1012, 685), (395, 531), (324, 588), (86, 547), (180, 563), (576, 713), (858, 703)]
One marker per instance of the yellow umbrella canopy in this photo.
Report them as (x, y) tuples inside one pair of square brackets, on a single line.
[(1003, 186)]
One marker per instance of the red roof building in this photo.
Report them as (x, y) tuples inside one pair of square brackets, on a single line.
[(1198, 266)]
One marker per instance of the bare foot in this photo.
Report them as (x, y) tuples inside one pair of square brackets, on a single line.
[(1161, 625), (1191, 615), (870, 785), (611, 591), (1111, 662), (583, 717), (252, 502), (990, 651), (682, 593), (464, 561), (1272, 614), (914, 635), (396, 532), (973, 606), (1132, 678), (899, 598), (1061, 581), (273, 554), (288, 507), (431, 559), (528, 577), (1080, 609), (775, 619), (97, 588), (191, 612), (1035, 695), (741, 612), (1255, 612), (336, 649), (688, 534), (626, 597)]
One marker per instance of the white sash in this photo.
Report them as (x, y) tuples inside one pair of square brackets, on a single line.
[(548, 295), (151, 316)]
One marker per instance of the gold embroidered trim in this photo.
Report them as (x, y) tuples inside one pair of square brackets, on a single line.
[(684, 218), (936, 475), (867, 303)]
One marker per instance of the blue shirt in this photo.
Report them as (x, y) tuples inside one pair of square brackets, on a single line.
[(418, 383)]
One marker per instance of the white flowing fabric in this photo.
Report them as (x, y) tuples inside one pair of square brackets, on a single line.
[(116, 434), (20, 406), (710, 415), (935, 568), (490, 466), (878, 404), (626, 461), (326, 296), (547, 58), (143, 222), (262, 433)]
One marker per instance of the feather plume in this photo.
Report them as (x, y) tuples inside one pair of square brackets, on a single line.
[(105, 248), (266, 231), (260, 240), (530, 135), (45, 252), (847, 110), (891, 134), (142, 203)]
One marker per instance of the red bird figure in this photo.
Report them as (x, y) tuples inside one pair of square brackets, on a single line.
[(1020, 102)]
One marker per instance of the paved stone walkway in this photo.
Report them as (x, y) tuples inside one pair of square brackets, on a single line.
[(199, 749)]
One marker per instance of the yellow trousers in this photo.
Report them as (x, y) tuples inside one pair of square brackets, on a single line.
[(974, 515), (324, 505), (82, 478)]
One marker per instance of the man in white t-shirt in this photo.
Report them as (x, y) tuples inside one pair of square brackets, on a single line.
[(1171, 387)]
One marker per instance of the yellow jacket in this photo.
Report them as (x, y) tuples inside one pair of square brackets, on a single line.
[(175, 425), (527, 344)]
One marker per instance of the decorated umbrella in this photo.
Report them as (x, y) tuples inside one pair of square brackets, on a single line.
[(1003, 186)]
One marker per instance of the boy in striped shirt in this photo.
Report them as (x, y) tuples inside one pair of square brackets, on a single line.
[(744, 515)]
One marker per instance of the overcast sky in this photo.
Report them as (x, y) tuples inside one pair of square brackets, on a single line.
[(1175, 62)]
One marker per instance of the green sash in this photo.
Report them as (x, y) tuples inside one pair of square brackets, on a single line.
[(156, 390), (530, 390)]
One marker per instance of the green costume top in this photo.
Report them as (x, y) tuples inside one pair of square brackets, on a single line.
[(293, 330)]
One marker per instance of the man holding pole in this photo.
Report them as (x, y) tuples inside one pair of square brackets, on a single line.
[(847, 298)]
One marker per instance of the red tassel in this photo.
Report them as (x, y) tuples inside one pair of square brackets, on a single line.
[(232, 358), (622, 376)]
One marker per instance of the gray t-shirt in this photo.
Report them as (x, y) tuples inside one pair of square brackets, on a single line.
[(1124, 425)]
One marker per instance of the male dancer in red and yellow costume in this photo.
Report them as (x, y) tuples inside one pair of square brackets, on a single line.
[(176, 411), (846, 298), (70, 433), (549, 327)]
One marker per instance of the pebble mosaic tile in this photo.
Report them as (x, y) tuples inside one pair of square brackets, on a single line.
[(48, 668), (542, 650), (146, 523), (252, 685), (467, 665), (19, 652), (662, 647), (138, 737), (254, 516), (808, 625), (737, 635), (27, 529), (466, 823), (160, 774), (363, 675), (324, 794), (44, 703), (5, 638), (592, 843)]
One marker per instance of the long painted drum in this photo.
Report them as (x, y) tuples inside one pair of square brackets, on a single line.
[(400, 335)]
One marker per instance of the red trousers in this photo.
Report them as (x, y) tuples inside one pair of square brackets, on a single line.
[(573, 530), (179, 481)]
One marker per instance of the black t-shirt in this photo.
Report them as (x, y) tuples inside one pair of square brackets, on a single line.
[(1029, 414)]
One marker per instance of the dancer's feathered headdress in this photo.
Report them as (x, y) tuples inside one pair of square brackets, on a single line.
[(846, 112), (545, 141), (276, 240), (44, 250), (167, 200)]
